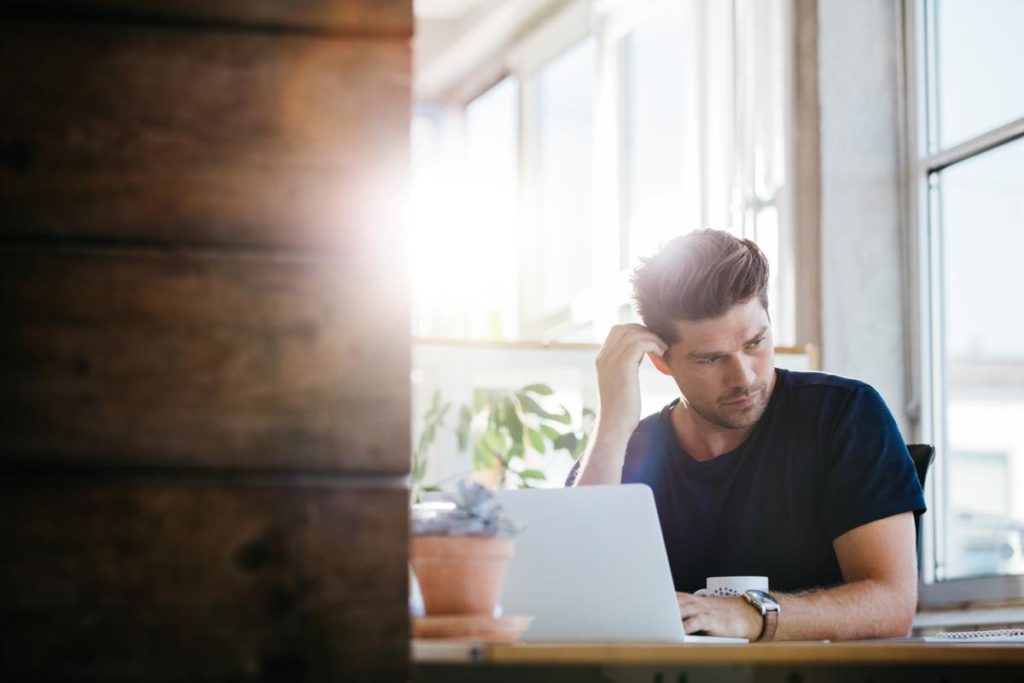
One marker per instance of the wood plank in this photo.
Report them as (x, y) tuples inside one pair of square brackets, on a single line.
[(375, 17), (134, 358), (201, 137), (202, 581), (756, 654)]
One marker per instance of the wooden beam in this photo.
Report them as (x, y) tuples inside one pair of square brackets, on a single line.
[(150, 580), (164, 136), (184, 359), (390, 18)]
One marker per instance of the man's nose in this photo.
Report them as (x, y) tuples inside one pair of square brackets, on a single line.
[(741, 371)]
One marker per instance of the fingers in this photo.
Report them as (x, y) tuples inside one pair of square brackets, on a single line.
[(628, 343), (696, 624), (718, 616), (618, 383), (693, 613), (633, 332)]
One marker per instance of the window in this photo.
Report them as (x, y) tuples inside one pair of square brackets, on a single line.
[(616, 127), (970, 179), (464, 234), (653, 174), (564, 132)]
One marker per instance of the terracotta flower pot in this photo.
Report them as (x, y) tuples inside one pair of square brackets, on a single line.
[(461, 574)]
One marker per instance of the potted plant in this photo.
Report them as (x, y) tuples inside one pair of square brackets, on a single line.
[(505, 429), (460, 551)]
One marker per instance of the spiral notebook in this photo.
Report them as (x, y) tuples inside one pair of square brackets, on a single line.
[(1001, 635)]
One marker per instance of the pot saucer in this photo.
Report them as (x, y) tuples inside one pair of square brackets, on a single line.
[(470, 627)]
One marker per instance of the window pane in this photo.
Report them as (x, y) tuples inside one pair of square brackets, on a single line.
[(463, 235), (492, 189), (980, 58), (566, 90), (982, 227), (654, 114)]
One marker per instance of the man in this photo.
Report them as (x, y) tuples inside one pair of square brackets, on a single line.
[(800, 477)]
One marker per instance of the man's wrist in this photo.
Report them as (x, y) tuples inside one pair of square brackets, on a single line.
[(613, 435), (766, 609)]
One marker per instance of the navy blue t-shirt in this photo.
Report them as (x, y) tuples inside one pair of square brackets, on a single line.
[(825, 457)]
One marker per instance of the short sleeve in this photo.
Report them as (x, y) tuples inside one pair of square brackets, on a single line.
[(869, 474)]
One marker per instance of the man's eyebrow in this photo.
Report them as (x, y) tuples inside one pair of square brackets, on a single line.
[(710, 355), (763, 331), (704, 355)]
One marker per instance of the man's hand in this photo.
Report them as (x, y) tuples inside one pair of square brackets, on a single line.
[(618, 384), (877, 600), (732, 617)]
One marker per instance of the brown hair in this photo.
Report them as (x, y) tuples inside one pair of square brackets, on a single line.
[(696, 277)]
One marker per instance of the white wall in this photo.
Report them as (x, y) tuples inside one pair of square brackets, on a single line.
[(861, 214)]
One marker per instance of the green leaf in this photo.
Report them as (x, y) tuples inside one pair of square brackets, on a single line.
[(531, 406), (426, 438), (541, 389), (510, 419), (501, 412), (462, 432), (581, 445), (562, 417), (551, 433), (588, 412), (515, 428), (566, 441), (532, 474), (537, 441), (494, 442), (435, 405), (483, 459), (479, 400)]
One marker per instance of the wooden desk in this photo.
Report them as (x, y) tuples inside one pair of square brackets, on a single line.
[(875, 661)]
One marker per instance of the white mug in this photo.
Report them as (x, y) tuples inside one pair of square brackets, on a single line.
[(731, 586)]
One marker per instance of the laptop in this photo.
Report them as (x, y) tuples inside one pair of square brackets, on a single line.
[(591, 566)]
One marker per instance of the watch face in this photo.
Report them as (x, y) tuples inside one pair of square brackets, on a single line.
[(764, 600)]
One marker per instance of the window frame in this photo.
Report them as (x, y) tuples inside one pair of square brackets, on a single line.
[(608, 23), (925, 296)]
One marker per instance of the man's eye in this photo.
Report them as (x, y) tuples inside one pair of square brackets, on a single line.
[(757, 342)]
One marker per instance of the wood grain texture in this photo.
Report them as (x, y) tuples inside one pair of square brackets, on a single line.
[(132, 358), (201, 137), (202, 581), (375, 17), (778, 653)]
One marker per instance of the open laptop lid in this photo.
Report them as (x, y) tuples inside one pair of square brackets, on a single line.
[(591, 566)]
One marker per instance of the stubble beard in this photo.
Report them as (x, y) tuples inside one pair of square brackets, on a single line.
[(720, 415)]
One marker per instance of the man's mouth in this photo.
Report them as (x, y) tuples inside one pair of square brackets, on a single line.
[(744, 401)]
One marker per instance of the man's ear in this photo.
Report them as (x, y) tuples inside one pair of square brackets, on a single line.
[(659, 362)]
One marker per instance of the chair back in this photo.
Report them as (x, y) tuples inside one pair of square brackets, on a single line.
[(922, 454)]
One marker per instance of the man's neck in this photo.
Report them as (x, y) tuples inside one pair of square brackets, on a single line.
[(704, 440), (701, 439)]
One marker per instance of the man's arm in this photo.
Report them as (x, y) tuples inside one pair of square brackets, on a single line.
[(877, 600), (618, 384)]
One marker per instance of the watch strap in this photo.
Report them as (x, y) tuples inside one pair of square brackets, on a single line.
[(769, 624), (769, 615)]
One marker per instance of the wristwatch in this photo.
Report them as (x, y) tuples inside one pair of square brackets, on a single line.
[(769, 608)]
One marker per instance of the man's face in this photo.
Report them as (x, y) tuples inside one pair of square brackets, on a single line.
[(724, 367)]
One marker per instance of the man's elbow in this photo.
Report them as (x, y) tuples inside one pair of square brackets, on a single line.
[(899, 621), (901, 625)]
